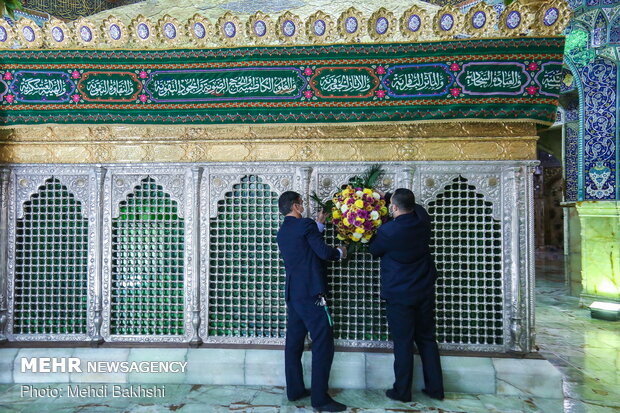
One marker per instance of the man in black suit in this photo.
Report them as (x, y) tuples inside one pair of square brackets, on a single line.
[(408, 277), (305, 253)]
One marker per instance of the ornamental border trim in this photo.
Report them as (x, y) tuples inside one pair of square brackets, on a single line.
[(288, 29)]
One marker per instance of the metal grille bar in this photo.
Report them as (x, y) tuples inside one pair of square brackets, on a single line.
[(147, 292), (246, 282), (51, 276), (359, 313), (467, 247)]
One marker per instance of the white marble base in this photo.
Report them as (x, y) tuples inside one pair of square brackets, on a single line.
[(350, 370)]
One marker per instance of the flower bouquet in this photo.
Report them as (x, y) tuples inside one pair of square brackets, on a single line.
[(357, 210)]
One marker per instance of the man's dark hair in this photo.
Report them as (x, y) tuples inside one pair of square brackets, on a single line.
[(404, 199), (286, 201)]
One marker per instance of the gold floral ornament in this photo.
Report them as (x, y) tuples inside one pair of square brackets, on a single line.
[(84, 33), (319, 28), (381, 25), (229, 30), (114, 32), (480, 20), (260, 28), (169, 31), (7, 35), (414, 23), (350, 25), (289, 28), (200, 30), (552, 18), (57, 34), (141, 31), (29, 33), (447, 23), (515, 20)]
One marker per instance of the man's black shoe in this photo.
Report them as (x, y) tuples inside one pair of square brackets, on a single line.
[(390, 393), (332, 406), (306, 393), (436, 396)]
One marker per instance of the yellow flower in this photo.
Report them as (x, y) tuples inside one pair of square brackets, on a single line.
[(360, 230), (340, 237), (346, 222), (377, 222), (354, 239), (368, 236), (359, 203), (336, 214), (369, 208), (383, 211), (367, 191)]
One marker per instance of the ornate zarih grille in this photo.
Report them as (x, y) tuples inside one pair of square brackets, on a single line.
[(51, 254), (147, 291), (468, 252), (246, 273), (359, 313)]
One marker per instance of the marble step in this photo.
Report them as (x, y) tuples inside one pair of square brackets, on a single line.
[(350, 370)]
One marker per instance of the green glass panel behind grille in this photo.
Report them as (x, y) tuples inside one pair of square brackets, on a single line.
[(147, 291), (51, 258)]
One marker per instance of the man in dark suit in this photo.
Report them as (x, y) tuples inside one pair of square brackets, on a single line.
[(408, 277), (305, 253)]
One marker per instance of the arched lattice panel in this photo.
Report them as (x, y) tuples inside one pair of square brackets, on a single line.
[(356, 304), (51, 264), (246, 273), (358, 311), (467, 246), (147, 275)]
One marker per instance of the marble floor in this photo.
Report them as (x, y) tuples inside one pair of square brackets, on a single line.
[(586, 351)]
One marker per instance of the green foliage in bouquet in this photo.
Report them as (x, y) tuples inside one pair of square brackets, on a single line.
[(369, 178)]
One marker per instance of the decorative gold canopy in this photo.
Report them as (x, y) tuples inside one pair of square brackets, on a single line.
[(230, 29)]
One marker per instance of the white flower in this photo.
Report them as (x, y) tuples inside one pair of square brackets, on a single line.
[(338, 204), (359, 194), (357, 235), (374, 215), (344, 208), (364, 241), (376, 195)]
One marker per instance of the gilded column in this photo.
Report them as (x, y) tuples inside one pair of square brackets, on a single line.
[(303, 182), (100, 173), (4, 233), (516, 317), (196, 179)]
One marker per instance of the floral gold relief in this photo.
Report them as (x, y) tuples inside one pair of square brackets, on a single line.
[(75, 144)]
